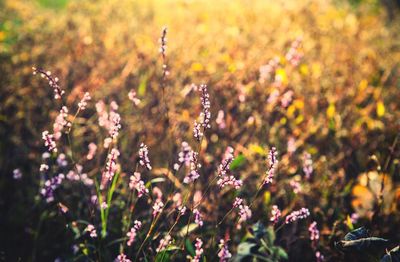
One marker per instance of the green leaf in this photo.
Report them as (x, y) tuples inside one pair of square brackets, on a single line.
[(392, 256), (246, 249), (143, 85), (183, 231), (237, 162), (190, 248), (258, 230)]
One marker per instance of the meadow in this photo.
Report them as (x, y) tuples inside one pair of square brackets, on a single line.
[(185, 130)]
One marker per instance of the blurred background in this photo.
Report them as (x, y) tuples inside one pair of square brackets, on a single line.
[(340, 102)]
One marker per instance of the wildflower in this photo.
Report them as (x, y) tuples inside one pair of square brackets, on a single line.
[(307, 165), (294, 55), (107, 142), (197, 217), (193, 174), (163, 51), (92, 151), (223, 253), (43, 168), (133, 232), (157, 192), (104, 205), (61, 122), (273, 97), (238, 202), (115, 120), (184, 156), (275, 214), (319, 256), (314, 232), (164, 243), (220, 120), (291, 145), (111, 166), (49, 141), (205, 115), (267, 70), (354, 218), (273, 162), (92, 230), (62, 160), (182, 210), (17, 174), (177, 198), (83, 103), (244, 213), (199, 251), (296, 215), (138, 184), (286, 98), (157, 207), (50, 186), (296, 186), (122, 258), (144, 156), (53, 82), (45, 155), (133, 98), (223, 170)]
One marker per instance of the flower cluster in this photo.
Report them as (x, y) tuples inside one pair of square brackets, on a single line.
[(111, 166), (194, 166), (272, 162), (132, 96), (267, 70), (133, 232), (83, 103), (17, 174), (43, 168), (92, 151), (92, 230), (296, 215), (296, 186), (244, 210), (223, 178), (115, 119), (319, 256), (275, 214), (164, 243), (198, 219), (138, 184), (163, 50), (294, 55), (53, 82), (223, 253), (61, 122), (220, 120), (307, 165), (50, 186), (314, 232), (199, 250), (122, 258), (144, 156), (157, 207), (205, 115), (49, 141), (184, 156)]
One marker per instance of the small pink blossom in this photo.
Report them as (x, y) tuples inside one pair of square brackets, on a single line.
[(92, 151), (144, 156), (223, 253), (164, 243), (275, 214), (133, 98), (296, 215), (138, 184), (122, 258), (83, 103), (198, 219), (49, 141), (92, 230), (133, 232), (157, 207), (199, 250), (17, 174)]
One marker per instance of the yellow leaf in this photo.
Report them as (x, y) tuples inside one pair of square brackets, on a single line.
[(363, 84), (197, 67), (380, 109)]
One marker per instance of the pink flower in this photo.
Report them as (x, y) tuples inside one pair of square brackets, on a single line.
[(49, 141), (296, 215), (164, 243), (133, 232), (223, 253), (138, 184), (220, 120), (296, 186), (92, 151), (205, 115), (144, 156), (111, 166), (307, 165), (224, 169), (199, 251), (198, 217), (115, 120), (273, 162), (319, 256), (157, 207), (17, 174), (314, 232), (122, 258), (92, 230), (83, 103), (53, 82), (61, 122), (275, 214), (133, 98)]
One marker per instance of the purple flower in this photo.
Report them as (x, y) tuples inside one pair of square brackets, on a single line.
[(275, 214), (138, 184), (199, 251), (164, 243), (314, 232), (273, 162), (17, 174), (53, 82), (205, 115), (307, 165), (198, 219), (133, 232), (296, 215), (111, 166), (49, 141), (223, 253)]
